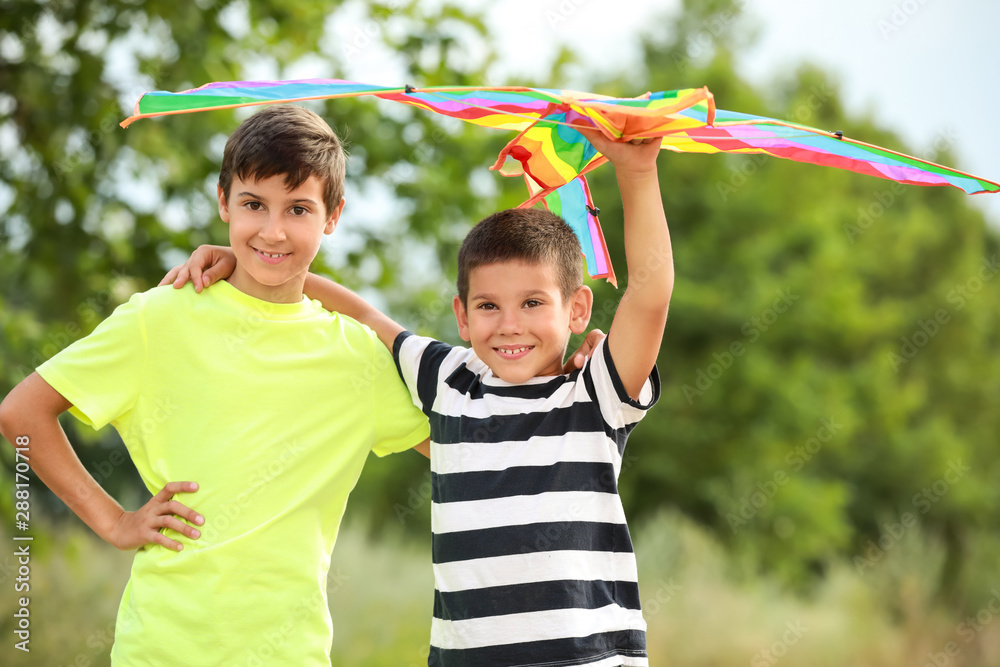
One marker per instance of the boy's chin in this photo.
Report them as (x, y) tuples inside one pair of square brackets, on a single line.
[(512, 377), (520, 375)]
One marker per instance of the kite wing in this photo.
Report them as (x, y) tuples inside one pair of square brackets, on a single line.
[(553, 156)]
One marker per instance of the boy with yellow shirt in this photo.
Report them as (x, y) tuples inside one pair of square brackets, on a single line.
[(268, 401)]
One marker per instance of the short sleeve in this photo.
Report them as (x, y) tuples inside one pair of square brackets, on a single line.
[(399, 424), (101, 374), (605, 385), (418, 360)]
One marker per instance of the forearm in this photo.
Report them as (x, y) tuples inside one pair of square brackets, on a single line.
[(339, 299), (637, 330), (647, 241), (53, 460)]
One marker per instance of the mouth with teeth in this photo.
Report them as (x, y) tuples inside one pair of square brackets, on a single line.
[(514, 352), (271, 257)]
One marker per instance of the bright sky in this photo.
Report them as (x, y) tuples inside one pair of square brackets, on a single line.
[(926, 68)]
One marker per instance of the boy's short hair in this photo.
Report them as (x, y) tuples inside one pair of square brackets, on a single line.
[(288, 140), (527, 235)]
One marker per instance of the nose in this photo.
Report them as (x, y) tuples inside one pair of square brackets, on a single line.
[(510, 322), (273, 230)]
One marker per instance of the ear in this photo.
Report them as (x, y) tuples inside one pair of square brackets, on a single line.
[(331, 223), (223, 205), (580, 306), (462, 317)]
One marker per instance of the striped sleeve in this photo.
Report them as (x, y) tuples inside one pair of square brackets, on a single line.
[(418, 361), (605, 386)]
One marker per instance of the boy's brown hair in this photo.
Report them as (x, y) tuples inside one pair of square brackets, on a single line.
[(288, 140), (527, 235)]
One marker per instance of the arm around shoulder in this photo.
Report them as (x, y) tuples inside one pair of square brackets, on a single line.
[(337, 298)]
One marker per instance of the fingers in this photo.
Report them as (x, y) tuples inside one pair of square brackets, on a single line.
[(185, 512), (591, 341), (179, 526), (207, 278), (182, 277), (163, 512), (173, 488), (157, 537), (136, 529), (164, 541), (593, 135), (173, 507), (196, 278), (596, 137), (579, 358), (170, 277), (203, 278)]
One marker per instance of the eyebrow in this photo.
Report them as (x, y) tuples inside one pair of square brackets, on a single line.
[(490, 297), (303, 200)]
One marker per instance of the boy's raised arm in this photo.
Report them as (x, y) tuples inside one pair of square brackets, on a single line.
[(637, 329), (30, 412)]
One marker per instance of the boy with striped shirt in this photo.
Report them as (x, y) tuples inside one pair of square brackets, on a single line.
[(533, 562)]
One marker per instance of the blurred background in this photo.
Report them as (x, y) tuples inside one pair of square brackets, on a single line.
[(819, 482)]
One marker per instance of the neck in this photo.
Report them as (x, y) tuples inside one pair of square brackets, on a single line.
[(289, 291)]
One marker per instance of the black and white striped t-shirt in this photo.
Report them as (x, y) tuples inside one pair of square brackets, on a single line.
[(533, 563)]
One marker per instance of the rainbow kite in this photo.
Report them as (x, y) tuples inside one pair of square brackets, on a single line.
[(553, 157)]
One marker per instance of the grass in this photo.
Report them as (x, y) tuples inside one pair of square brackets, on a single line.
[(699, 613)]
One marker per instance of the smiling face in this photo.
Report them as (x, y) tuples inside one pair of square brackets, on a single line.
[(517, 320), (275, 233)]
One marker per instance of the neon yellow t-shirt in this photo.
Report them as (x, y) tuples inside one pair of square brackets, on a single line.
[(272, 409)]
